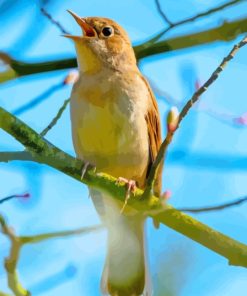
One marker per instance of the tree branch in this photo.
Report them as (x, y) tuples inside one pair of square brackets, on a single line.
[(53, 21), (226, 32), (215, 208), (11, 261), (164, 146), (17, 242), (25, 195), (39, 99), (187, 20), (17, 155), (55, 119), (46, 153), (161, 12), (60, 234)]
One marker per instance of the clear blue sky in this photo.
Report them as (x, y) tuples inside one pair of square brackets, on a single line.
[(207, 175)]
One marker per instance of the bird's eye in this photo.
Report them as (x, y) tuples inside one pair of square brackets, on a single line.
[(107, 31)]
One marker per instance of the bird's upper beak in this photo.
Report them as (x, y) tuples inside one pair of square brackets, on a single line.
[(87, 30)]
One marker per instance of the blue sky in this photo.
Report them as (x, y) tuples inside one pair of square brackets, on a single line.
[(73, 266)]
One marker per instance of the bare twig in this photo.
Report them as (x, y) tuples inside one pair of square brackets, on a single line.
[(55, 119), (212, 78), (187, 20), (228, 118), (25, 195), (185, 110), (215, 208), (161, 12), (38, 100), (60, 234), (53, 21)]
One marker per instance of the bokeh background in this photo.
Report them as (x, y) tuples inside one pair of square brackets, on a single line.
[(206, 165)]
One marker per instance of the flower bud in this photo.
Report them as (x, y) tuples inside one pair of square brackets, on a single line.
[(172, 119), (72, 77)]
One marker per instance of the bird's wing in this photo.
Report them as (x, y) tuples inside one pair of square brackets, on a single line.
[(154, 135)]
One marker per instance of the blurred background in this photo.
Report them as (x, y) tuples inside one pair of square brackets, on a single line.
[(206, 164)]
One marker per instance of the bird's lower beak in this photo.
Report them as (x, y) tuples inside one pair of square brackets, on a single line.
[(87, 30)]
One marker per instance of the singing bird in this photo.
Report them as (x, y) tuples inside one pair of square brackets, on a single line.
[(116, 127)]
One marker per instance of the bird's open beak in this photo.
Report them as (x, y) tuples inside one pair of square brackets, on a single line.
[(87, 30)]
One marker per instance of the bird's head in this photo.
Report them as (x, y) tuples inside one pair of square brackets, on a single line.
[(103, 43)]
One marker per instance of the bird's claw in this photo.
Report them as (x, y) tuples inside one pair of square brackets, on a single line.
[(87, 165), (131, 187)]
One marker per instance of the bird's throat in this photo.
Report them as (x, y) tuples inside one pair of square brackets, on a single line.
[(87, 60)]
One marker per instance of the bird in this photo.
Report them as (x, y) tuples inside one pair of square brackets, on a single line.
[(116, 128)]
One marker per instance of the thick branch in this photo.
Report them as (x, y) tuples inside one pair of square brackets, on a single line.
[(226, 32), (46, 153)]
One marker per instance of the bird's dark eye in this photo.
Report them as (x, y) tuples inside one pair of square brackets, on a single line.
[(107, 31)]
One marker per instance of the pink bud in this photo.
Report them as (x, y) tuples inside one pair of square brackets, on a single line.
[(172, 119), (242, 120), (166, 195), (24, 196), (197, 84), (71, 78)]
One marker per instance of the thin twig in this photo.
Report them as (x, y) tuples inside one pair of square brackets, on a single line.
[(53, 21), (38, 100), (164, 146), (212, 78), (55, 119), (228, 118), (215, 208), (25, 195), (187, 20), (60, 234), (161, 12)]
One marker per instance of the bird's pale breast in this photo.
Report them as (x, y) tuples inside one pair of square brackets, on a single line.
[(108, 123)]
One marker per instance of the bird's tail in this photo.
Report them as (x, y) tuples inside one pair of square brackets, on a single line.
[(124, 271)]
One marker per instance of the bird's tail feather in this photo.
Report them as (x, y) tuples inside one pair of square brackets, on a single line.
[(124, 271)]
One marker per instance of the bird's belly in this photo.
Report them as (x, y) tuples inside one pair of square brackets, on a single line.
[(113, 141)]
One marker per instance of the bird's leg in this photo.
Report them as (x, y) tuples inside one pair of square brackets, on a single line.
[(131, 187), (85, 167)]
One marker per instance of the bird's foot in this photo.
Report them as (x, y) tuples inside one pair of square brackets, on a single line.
[(131, 187), (87, 165)]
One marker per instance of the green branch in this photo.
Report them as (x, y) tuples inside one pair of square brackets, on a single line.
[(46, 153), (11, 261), (34, 239), (16, 244), (225, 32)]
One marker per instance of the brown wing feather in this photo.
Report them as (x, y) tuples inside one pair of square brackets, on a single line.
[(154, 134)]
